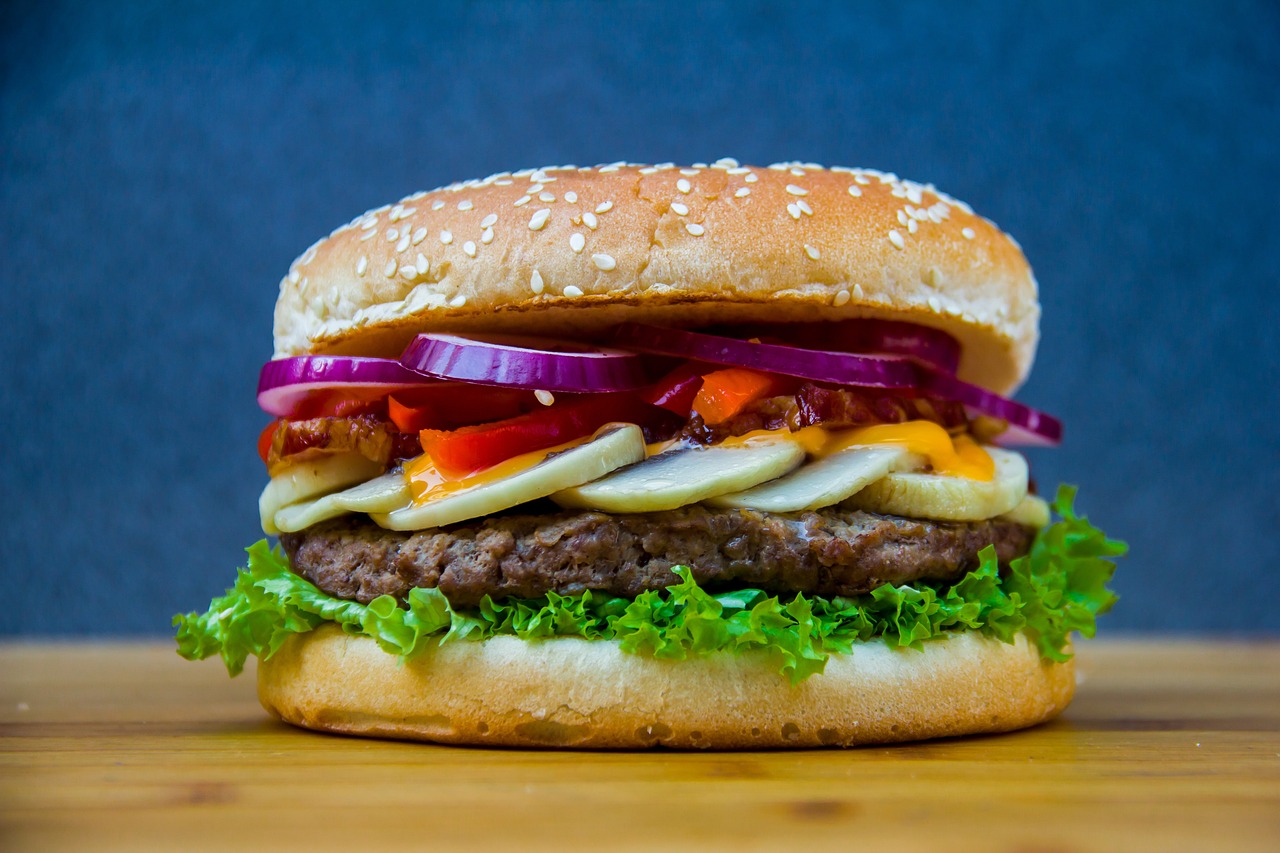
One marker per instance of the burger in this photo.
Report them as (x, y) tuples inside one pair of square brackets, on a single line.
[(624, 456)]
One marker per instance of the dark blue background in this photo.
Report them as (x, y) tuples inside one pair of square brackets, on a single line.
[(162, 165)]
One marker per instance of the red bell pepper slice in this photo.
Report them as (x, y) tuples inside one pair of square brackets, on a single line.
[(463, 451), (265, 438), (454, 404), (660, 409), (725, 393)]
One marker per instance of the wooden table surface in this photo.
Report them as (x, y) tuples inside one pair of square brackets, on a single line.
[(1169, 745)]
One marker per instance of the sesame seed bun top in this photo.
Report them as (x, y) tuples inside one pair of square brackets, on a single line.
[(570, 251)]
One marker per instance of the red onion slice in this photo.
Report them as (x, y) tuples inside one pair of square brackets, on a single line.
[(819, 365), (286, 383), (885, 337), (1026, 425), (530, 363)]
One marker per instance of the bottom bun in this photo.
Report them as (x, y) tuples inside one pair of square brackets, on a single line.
[(568, 692)]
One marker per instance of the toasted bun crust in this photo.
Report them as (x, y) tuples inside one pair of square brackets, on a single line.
[(569, 692), (572, 251)]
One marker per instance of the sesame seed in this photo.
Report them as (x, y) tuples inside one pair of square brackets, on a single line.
[(419, 236), (458, 301), (539, 219), (392, 235), (573, 291), (683, 186), (854, 191), (902, 218), (751, 178), (362, 265), (913, 226), (915, 196), (294, 276), (648, 170), (409, 272), (503, 182), (390, 269), (857, 290), (795, 190), (737, 170), (489, 221), (812, 252), (446, 237), (486, 236), (935, 304), (546, 197), (470, 248), (604, 262), (423, 263), (695, 229), (577, 242), (589, 219), (571, 197), (804, 207), (546, 398), (369, 222), (968, 233), (896, 239), (742, 192), (368, 235), (437, 205), (524, 199), (604, 207), (862, 179), (842, 298), (465, 204), (404, 242), (799, 173), (689, 172), (794, 210), (407, 212), (397, 213), (535, 282), (680, 209)]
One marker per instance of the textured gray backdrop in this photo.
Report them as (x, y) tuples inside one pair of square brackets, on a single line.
[(161, 165)]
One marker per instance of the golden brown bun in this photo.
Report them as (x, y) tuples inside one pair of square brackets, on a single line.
[(671, 246), (569, 692)]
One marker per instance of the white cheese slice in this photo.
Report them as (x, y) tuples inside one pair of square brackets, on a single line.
[(381, 494), (687, 475), (614, 446), (308, 479), (822, 482)]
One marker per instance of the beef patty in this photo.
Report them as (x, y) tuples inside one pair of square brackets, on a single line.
[(829, 552)]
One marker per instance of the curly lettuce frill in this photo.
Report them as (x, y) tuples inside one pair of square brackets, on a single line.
[(1057, 588)]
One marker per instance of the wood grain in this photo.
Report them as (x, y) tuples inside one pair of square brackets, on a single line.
[(1170, 745)]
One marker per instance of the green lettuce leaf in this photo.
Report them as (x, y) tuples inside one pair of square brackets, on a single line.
[(1058, 588)]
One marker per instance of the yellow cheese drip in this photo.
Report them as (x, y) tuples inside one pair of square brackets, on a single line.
[(958, 457), (428, 483)]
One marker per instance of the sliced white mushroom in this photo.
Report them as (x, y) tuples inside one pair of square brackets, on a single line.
[(687, 475), (948, 498), (614, 446), (822, 482), (310, 478), (381, 494)]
